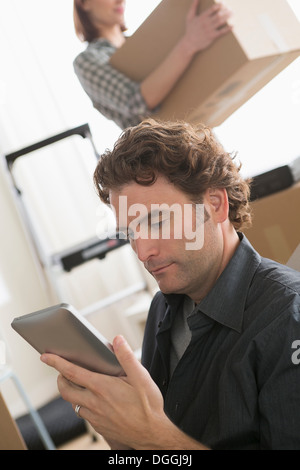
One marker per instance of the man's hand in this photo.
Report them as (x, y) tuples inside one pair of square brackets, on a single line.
[(124, 409)]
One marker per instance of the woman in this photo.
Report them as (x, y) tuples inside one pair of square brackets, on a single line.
[(101, 24)]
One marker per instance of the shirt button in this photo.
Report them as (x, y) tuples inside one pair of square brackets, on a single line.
[(159, 324), (164, 382)]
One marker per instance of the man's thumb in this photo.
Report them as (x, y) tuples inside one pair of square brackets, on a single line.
[(126, 357)]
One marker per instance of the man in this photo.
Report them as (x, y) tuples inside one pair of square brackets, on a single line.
[(220, 364)]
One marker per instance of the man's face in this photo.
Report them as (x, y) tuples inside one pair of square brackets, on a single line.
[(162, 239)]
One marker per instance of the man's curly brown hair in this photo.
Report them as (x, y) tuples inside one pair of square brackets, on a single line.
[(189, 157)]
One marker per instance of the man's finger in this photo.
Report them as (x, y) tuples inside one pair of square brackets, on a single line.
[(71, 372), (130, 364)]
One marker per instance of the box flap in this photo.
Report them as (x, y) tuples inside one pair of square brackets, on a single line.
[(265, 27)]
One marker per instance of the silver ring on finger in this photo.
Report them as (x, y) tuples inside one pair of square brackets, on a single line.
[(77, 409)]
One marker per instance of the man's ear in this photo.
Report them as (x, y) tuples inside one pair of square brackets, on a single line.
[(219, 205)]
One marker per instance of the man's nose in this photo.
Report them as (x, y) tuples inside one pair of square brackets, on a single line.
[(145, 248)]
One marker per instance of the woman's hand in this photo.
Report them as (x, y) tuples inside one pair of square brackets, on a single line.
[(202, 30)]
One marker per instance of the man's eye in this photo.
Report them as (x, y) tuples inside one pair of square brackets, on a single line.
[(131, 235), (123, 235), (126, 235), (158, 223)]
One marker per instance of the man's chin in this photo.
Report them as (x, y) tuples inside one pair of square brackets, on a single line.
[(170, 288)]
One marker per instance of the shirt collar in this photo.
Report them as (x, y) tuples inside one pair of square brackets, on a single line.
[(225, 303), (99, 43)]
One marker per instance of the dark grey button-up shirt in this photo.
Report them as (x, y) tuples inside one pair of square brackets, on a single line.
[(237, 385)]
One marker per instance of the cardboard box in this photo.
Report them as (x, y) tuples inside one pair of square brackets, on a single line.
[(10, 437), (275, 232), (294, 261), (266, 38)]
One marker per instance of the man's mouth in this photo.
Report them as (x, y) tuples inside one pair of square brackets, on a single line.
[(160, 269)]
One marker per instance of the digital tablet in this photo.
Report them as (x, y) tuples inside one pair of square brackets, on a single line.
[(63, 331)]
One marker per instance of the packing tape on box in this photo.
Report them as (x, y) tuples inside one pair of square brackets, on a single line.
[(273, 33)]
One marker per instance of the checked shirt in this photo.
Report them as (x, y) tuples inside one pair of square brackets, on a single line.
[(112, 93)]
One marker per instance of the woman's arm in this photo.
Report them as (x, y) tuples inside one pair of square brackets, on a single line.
[(201, 31)]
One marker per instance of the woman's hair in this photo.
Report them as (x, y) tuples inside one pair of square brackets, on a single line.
[(189, 157), (84, 27)]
